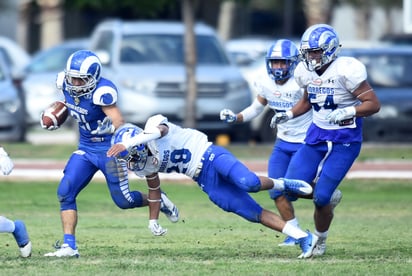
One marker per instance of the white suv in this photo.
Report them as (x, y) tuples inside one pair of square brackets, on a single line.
[(145, 59)]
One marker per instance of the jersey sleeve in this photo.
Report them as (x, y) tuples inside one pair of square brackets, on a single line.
[(105, 93), (353, 71), (299, 74), (156, 120)]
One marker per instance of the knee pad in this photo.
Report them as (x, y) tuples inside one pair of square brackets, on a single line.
[(129, 200), (248, 182), (274, 194), (65, 195), (321, 199)]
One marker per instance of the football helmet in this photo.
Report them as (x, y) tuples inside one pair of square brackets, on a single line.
[(136, 157), (84, 65), (319, 37), (282, 49)]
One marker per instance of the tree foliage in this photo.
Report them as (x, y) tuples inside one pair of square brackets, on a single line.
[(141, 8)]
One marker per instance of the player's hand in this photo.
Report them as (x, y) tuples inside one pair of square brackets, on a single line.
[(341, 114), (115, 150), (280, 118), (227, 115), (104, 127), (156, 229), (6, 165), (44, 126)]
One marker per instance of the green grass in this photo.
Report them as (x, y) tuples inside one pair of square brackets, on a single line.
[(370, 234), (242, 151)]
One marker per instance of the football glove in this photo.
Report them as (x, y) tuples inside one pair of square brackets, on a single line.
[(104, 127), (228, 116), (6, 165), (156, 229), (280, 118), (44, 126), (341, 114)]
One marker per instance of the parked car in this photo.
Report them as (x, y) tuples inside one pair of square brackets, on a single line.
[(14, 55), (39, 82), (12, 123), (389, 69), (145, 59), (246, 50)]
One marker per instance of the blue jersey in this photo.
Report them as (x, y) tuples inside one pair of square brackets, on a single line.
[(87, 111)]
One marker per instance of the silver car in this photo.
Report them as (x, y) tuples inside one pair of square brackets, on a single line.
[(12, 123), (146, 62), (39, 83)]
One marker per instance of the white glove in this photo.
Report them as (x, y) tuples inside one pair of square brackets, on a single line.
[(228, 116), (341, 114), (6, 164), (156, 229), (104, 127), (44, 126), (280, 118)]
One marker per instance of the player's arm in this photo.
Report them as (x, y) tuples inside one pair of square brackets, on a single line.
[(154, 199), (370, 102), (150, 133), (113, 112), (153, 184), (245, 115)]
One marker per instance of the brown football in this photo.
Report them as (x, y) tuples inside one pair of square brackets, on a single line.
[(55, 114)]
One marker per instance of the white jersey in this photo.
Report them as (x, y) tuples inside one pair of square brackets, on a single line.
[(333, 89), (180, 150), (281, 98)]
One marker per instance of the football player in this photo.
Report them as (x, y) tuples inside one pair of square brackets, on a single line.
[(278, 90), (17, 227), (91, 100), (165, 147), (337, 91)]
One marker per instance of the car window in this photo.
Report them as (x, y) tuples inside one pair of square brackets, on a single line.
[(51, 61), (7, 58), (168, 49), (388, 70)]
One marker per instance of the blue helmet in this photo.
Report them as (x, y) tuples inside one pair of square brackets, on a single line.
[(283, 49), (319, 37), (85, 65), (136, 157)]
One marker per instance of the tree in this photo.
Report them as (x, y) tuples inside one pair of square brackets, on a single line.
[(190, 60)]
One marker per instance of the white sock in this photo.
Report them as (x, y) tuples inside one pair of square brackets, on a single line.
[(321, 234), (278, 184), (6, 225), (293, 231), (294, 222)]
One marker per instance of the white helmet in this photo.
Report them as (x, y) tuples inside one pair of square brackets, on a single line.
[(319, 37)]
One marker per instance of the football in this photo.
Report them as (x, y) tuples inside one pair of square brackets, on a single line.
[(55, 115)]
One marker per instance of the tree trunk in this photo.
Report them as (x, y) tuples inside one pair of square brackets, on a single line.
[(190, 61)]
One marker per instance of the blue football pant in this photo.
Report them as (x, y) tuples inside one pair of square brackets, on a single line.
[(335, 161), (228, 182), (79, 171)]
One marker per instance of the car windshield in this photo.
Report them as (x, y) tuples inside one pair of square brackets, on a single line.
[(168, 49), (388, 70), (51, 60)]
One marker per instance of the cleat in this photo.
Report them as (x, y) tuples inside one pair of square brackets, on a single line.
[(307, 244), (64, 251), (296, 186), (335, 198), (168, 208), (25, 251), (22, 238), (320, 247), (289, 241)]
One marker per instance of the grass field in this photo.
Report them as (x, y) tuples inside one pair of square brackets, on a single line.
[(371, 233)]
